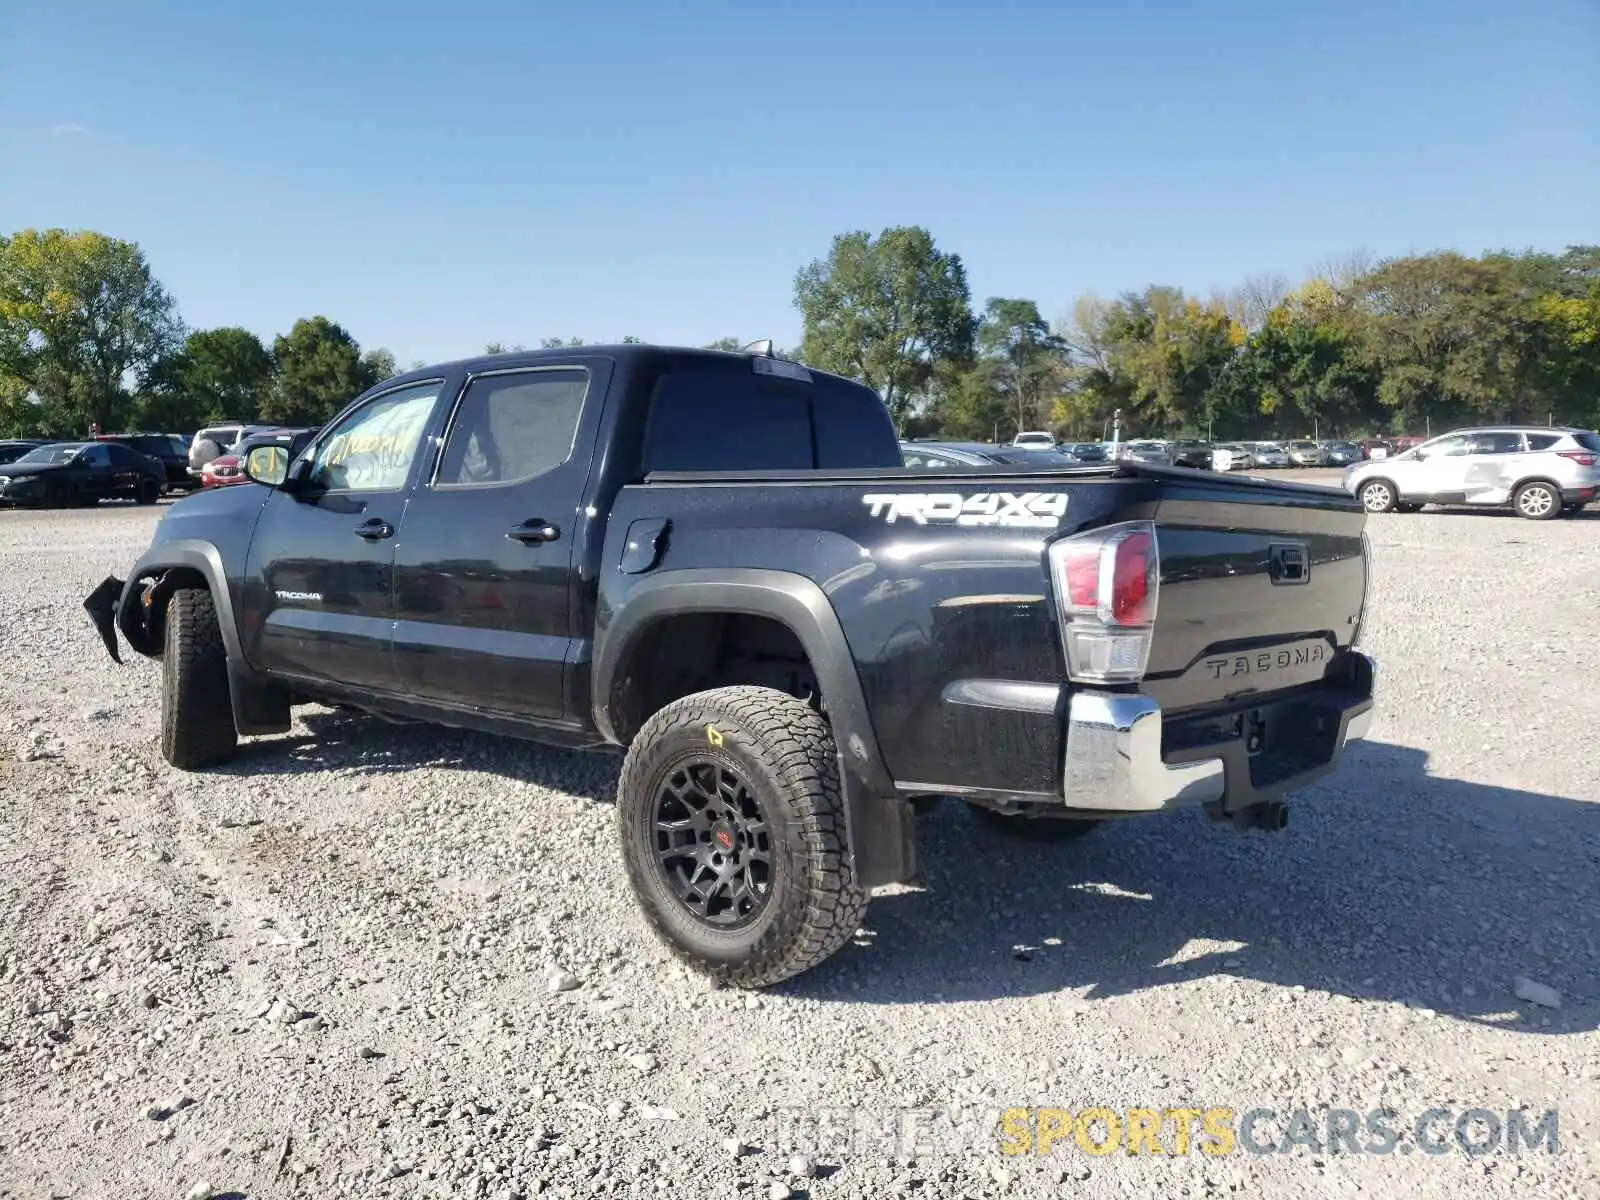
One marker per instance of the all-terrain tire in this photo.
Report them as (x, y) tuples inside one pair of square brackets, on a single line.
[(783, 751), (196, 713), (1035, 829)]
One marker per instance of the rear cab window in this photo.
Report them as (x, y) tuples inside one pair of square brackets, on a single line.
[(740, 416)]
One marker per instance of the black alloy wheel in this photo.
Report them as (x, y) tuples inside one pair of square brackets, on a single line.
[(713, 845)]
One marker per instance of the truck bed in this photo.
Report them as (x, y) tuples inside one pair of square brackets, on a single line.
[(940, 582)]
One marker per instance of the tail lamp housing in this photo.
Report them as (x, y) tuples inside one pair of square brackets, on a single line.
[(1107, 582)]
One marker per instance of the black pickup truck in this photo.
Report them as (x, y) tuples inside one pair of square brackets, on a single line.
[(717, 562)]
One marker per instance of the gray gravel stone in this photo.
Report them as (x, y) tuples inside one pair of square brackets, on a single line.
[(418, 886), (1535, 992)]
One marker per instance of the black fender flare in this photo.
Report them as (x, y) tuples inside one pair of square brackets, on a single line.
[(259, 705), (187, 554), (878, 821)]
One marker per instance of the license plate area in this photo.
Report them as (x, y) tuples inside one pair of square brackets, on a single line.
[(1275, 742)]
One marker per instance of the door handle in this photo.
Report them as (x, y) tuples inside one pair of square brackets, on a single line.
[(535, 530), (375, 529)]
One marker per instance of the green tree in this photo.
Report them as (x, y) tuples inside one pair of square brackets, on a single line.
[(379, 362), (886, 311), (21, 413), (320, 370), (1164, 356), (729, 344), (1022, 360), (81, 317), (966, 403), (1451, 337), (219, 374), (1297, 374)]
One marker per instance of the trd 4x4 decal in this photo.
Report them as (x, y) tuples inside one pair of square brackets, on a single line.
[(1027, 510)]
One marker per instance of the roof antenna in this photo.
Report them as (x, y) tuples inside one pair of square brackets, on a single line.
[(763, 347)]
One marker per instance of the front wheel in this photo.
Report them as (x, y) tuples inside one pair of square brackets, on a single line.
[(1537, 501), (1378, 496), (197, 727), (732, 825)]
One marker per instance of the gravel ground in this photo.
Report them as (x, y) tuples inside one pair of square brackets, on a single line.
[(374, 961)]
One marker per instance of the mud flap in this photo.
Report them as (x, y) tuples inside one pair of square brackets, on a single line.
[(101, 605)]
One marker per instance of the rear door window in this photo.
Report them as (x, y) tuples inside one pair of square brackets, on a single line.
[(728, 420), (1497, 443), (730, 417), (513, 426)]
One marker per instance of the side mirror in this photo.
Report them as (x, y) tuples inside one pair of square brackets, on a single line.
[(268, 465)]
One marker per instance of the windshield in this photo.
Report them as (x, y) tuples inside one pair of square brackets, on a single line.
[(52, 454)]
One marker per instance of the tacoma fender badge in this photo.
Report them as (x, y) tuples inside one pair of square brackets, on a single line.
[(1007, 510), (305, 597)]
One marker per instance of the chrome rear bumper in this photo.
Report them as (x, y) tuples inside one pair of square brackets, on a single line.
[(1114, 758)]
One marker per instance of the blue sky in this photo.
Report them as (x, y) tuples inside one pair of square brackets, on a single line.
[(437, 176)]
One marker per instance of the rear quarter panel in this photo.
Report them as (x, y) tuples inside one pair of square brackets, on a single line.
[(923, 605)]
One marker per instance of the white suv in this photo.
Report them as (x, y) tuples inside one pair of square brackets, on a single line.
[(1539, 472), (216, 440)]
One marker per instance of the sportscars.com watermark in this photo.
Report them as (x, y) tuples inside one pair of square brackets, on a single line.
[(925, 1133)]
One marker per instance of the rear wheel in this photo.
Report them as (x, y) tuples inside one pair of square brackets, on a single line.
[(1537, 501), (149, 491), (196, 714), (1378, 496), (732, 826), (1035, 828)]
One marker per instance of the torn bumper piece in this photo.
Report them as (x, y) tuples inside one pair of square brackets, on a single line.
[(114, 606)]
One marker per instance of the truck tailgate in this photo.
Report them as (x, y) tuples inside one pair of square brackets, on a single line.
[(1261, 589)]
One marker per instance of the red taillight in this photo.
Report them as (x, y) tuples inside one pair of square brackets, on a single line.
[(1107, 582), (1080, 565), (1130, 583), (1582, 458)]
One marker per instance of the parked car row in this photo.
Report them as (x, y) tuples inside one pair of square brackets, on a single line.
[(65, 474), (1202, 455), (135, 466)]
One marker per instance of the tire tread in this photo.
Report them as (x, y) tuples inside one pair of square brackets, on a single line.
[(196, 709), (797, 745)]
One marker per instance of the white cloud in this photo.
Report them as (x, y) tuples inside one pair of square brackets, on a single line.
[(68, 127)]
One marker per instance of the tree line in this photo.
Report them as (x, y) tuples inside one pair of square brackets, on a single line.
[(89, 336), (1362, 346)]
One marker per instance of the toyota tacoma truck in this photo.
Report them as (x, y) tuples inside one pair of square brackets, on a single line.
[(716, 563)]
